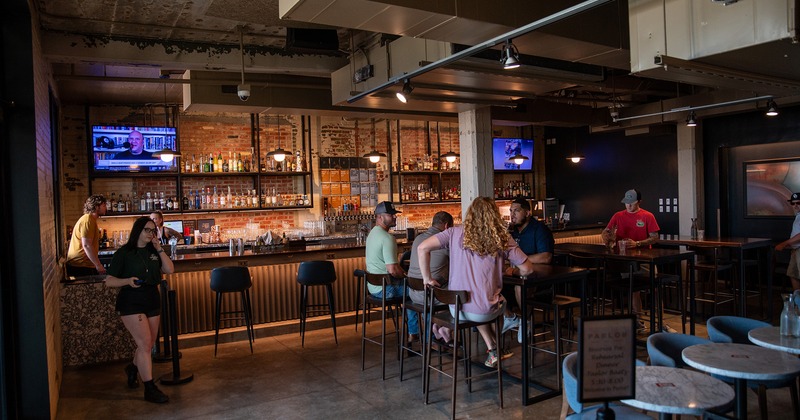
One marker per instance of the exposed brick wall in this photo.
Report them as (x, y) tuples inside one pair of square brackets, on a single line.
[(51, 272)]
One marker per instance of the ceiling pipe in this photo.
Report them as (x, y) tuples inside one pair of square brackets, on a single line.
[(555, 17)]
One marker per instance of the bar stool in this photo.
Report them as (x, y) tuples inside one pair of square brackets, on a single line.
[(316, 273), (232, 280), (411, 283), (710, 261), (386, 306), (358, 275), (552, 304), (597, 293), (460, 342)]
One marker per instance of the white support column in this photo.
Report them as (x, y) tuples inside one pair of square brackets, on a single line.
[(690, 177), (475, 138)]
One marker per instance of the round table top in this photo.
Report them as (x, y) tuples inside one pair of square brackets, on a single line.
[(678, 391), (771, 338), (742, 361)]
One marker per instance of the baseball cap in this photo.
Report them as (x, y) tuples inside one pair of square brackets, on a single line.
[(631, 196), (794, 197), (386, 207)]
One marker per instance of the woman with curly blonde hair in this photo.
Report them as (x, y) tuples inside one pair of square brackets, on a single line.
[(477, 253)]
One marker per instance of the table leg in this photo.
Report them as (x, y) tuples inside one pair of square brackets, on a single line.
[(770, 269), (664, 416), (740, 388), (742, 283), (692, 302), (524, 349), (653, 308)]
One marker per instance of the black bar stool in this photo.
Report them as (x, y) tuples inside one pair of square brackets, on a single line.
[(359, 275), (316, 273), (232, 280), (387, 306)]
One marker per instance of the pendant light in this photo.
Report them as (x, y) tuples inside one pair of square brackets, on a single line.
[(278, 154), (510, 56), (450, 156), (374, 155), (772, 108), (166, 155), (575, 158), (690, 119)]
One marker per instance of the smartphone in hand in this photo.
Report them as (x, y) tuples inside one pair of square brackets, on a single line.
[(138, 282)]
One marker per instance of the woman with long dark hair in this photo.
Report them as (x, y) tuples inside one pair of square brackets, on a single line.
[(136, 269)]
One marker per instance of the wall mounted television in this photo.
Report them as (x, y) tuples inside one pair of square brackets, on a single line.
[(117, 148), (505, 148)]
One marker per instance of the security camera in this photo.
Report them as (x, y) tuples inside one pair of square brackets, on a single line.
[(244, 92)]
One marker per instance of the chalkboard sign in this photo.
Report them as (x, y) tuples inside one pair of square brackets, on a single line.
[(607, 359)]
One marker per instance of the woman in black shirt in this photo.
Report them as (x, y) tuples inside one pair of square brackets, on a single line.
[(136, 269)]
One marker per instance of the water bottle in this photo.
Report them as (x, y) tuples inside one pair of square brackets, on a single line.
[(795, 303), (788, 317), (693, 230)]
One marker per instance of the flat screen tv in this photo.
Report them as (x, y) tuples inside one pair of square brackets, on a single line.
[(130, 148), (504, 148)]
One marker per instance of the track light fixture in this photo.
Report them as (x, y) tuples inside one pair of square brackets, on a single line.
[(772, 108), (403, 94), (694, 108), (510, 56), (690, 119)]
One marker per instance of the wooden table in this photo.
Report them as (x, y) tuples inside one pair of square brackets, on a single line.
[(742, 362), (738, 245), (668, 391), (771, 338), (652, 256), (543, 275)]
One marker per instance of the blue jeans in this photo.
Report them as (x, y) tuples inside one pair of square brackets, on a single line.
[(396, 291)]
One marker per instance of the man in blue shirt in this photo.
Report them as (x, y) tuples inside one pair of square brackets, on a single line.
[(535, 240)]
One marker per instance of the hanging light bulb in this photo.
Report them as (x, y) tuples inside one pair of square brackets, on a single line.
[(450, 156), (374, 155), (575, 158), (166, 155), (278, 154)]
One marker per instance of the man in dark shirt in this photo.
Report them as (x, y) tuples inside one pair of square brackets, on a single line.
[(535, 240)]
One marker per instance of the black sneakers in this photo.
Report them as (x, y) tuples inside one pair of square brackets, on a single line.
[(133, 375), (153, 394)]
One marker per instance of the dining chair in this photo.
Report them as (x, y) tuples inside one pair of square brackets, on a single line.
[(460, 347), (664, 349), (581, 411), (734, 329)]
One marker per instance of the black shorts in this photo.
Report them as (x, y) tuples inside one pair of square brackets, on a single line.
[(144, 300)]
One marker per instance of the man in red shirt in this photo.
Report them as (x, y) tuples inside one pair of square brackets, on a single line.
[(634, 226)]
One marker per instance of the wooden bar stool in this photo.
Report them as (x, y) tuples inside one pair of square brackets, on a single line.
[(316, 273), (232, 280)]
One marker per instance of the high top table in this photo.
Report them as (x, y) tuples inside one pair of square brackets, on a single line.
[(668, 391), (742, 362), (738, 245), (543, 275), (652, 256)]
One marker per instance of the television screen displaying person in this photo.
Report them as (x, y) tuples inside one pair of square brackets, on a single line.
[(136, 150)]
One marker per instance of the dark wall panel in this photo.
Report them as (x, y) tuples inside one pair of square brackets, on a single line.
[(593, 188), (730, 140)]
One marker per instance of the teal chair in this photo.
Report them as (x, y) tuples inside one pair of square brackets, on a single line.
[(570, 397), (664, 349)]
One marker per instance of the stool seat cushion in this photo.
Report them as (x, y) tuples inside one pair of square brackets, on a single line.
[(313, 273)]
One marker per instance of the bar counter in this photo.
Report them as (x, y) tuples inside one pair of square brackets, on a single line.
[(87, 306)]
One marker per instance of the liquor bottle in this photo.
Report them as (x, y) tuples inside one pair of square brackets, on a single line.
[(113, 206), (229, 197), (215, 197), (193, 166), (218, 165), (239, 164), (203, 200), (298, 158), (104, 239), (187, 166), (231, 162), (223, 201), (142, 203), (204, 164), (109, 208), (225, 166), (121, 204), (197, 200), (185, 203), (162, 201)]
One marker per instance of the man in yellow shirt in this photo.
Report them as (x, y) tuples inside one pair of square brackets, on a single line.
[(82, 259)]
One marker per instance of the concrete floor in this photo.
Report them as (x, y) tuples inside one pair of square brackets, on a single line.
[(282, 380)]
